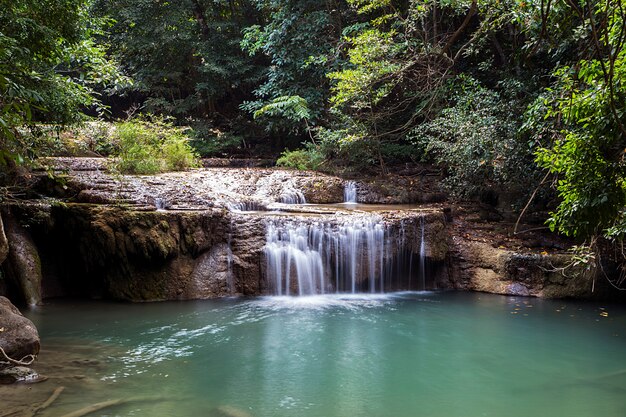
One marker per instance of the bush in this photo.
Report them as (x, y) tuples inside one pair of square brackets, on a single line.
[(477, 141), (214, 143), (302, 159), (339, 149), (150, 147)]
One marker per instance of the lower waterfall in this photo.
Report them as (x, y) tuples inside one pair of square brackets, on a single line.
[(306, 256)]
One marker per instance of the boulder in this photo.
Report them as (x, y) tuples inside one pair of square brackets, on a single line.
[(18, 335)]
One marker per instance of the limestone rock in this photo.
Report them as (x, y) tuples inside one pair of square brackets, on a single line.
[(18, 335), (22, 374), (4, 243), (23, 262), (481, 267), (212, 273)]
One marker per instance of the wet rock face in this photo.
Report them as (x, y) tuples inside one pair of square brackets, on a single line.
[(23, 265), (92, 250), (18, 335), (142, 255)]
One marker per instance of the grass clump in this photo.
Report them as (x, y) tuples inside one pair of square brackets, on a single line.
[(152, 146)]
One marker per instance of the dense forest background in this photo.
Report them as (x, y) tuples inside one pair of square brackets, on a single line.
[(515, 96)]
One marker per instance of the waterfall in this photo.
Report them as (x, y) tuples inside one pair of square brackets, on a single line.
[(293, 197), (161, 204), (349, 192), (422, 256), (316, 257), (294, 252), (245, 206)]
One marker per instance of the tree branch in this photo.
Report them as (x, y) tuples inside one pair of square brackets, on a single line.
[(470, 13)]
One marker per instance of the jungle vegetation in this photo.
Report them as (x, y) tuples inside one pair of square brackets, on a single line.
[(527, 96)]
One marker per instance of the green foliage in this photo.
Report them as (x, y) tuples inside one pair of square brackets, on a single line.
[(308, 158), (293, 109), (347, 148), (476, 140), (49, 70), (368, 80), (184, 55), (150, 147), (298, 38), (214, 143), (581, 123)]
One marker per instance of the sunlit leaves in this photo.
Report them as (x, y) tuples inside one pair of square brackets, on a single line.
[(295, 109), (367, 81), (588, 102)]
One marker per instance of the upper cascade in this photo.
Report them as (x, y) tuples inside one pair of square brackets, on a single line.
[(293, 197), (349, 192), (306, 256)]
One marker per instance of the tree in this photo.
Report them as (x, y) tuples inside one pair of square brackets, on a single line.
[(298, 40), (185, 56), (50, 69), (585, 141)]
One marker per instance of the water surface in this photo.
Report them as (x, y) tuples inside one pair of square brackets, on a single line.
[(409, 354)]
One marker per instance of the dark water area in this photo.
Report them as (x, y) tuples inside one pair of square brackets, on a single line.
[(437, 354)]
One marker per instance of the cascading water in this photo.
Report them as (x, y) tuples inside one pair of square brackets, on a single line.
[(357, 254), (245, 206), (293, 197), (161, 204), (349, 193), (422, 255), (294, 252)]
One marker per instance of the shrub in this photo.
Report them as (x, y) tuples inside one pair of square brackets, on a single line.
[(477, 141), (150, 147), (302, 159), (213, 143)]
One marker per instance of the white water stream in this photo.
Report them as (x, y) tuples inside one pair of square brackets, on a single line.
[(356, 254), (349, 193)]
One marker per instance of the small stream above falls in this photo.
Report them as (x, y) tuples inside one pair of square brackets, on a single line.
[(349, 193)]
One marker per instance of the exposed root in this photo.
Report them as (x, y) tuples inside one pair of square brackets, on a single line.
[(48, 402), (106, 404), (25, 361), (34, 410)]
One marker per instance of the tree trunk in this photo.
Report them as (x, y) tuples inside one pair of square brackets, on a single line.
[(198, 13)]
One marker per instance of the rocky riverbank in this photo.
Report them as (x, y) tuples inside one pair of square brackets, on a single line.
[(19, 345), (200, 234)]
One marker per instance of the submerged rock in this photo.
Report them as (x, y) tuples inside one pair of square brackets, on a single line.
[(18, 335), (21, 374), (229, 411)]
